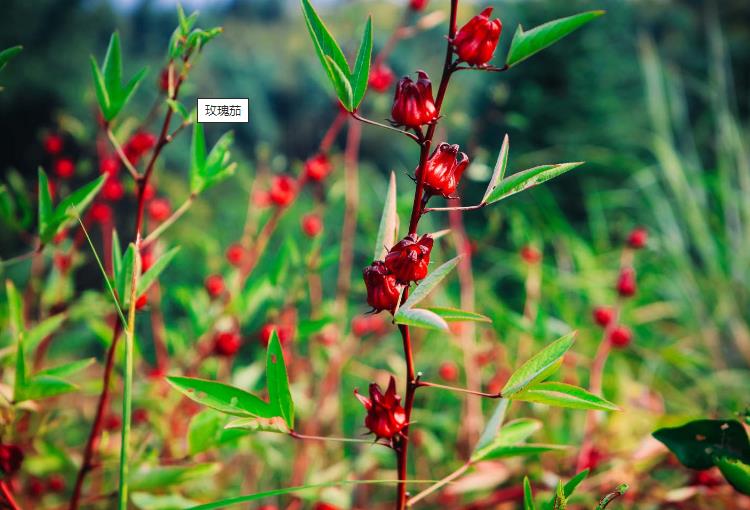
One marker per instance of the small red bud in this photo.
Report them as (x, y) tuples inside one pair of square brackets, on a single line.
[(53, 144), (112, 423), (112, 189), (448, 371), (235, 254), (284, 333), (140, 416), (620, 337), (147, 260), (164, 80), (626, 285), (603, 315), (638, 238), (318, 167), (62, 261), (56, 483), (101, 213), (283, 190), (417, 5), (476, 41), (214, 285), (141, 302), (159, 209), (109, 166), (35, 488), (381, 78), (385, 416), (227, 343), (312, 225), (530, 255), (64, 168), (149, 191), (413, 104), (11, 457)]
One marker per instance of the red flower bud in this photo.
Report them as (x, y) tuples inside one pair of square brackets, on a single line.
[(320, 505), (62, 262), (101, 213), (56, 483), (409, 258), (383, 291), (64, 168), (620, 337), (448, 371), (476, 41), (141, 302), (638, 238), (149, 191), (112, 189), (443, 170), (159, 209), (235, 254), (413, 104), (227, 343), (626, 286), (109, 166), (603, 315), (141, 142), (283, 190), (112, 423), (140, 416), (11, 457), (53, 144), (530, 255), (284, 332), (385, 416), (381, 78), (312, 225), (214, 285), (417, 5), (318, 167), (35, 488)]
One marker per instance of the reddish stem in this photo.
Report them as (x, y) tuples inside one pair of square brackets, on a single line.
[(349, 229), (8, 495)]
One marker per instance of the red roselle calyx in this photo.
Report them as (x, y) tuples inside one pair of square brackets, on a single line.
[(235, 254), (603, 315), (109, 166), (443, 170), (409, 258), (476, 41), (448, 371), (112, 189), (227, 343), (381, 78), (64, 168), (417, 5), (53, 144), (530, 255), (620, 337), (11, 457), (626, 285), (101, 213), (637, 238), (413, 104), (283, 190), (312, 225), (318, 167), (383, 291), (159, 209), (283, 331), (214, 285), (385, 416)]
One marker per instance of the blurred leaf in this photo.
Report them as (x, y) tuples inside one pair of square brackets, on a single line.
[(203, 431), (110, 92), (279, 396), (564, 395), (124, 278), (539, 366), (150, 276), (146, 501), (456, 315), (697, 443), (52, 221), (275, 424), (428, 284), (512, 433), (7, 54), (67, 369), (45, 203), (560, 502), (528, 497), (324, 43), (492, 428), (179, 109), (528, 178), (736, 472), (44, 386), (420, 318), (388, 229), (526, 44), (499, 172), (517, 450), (567, 489), (158, 477), (42, 330), (207, 170), (361, 72), (222, 397)]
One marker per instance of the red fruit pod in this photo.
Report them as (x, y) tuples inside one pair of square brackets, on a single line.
[(620, 337), (283, 190), (638, 238), (413, 104), (214, 285), (101, 213), (112, 189), (159, 209), (109, 166), (53, 144), (235, 254), (64, 168), (476, 41), (381, 78), (409, 258), (418, 5), (530, 255), (443, 170), (448, 371), (385, 416), (626, 285), (312, 225), (141, 302), (11, 458), (227, 343), (317, 167), (383, 291), (603, 315), (56, 483)]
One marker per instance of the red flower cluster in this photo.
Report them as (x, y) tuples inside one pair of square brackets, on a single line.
[(385, 416), (11, 457), (383, 291), (476, 41), (409, 258), (413, 104), (443, 170), (317, 167), (381, 78)]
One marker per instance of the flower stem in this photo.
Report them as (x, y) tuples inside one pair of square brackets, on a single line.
[(176, 215), (121, 154), (8, 496), (459, 390), (439, 485)]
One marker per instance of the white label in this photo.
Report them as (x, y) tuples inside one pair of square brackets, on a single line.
[(223, 109)]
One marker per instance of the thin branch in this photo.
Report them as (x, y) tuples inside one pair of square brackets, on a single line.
[(439, 485), (154, 235), (459, 390), (121, 154), (489, 69), (20, 258), (296, 435), (8, 496), (455, 208), (385, 126), (606, 500)]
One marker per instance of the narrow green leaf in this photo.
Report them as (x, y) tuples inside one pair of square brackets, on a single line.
[(112, 68), (7, 54), (150, 478), (736, 472), (499, 171), (518, 450), (42, 330), (67, 369), (124, 278), (420, 318), (457, 315), (341, 84), (528, 496), (45, 205), (278, 382), (179, 108), (77, 202), (116, 253), (526, 44), (100, 87), (132, 86), (493, 425), (428, 284), (561, 502), (222, 397), (204, 430), (538, 366), (361, 72), (388, 229), (564, 395), (568, 489), (15, 318), (325, 44), (511, 434), (218, 166), (197, 159), (150, 276), (275, 424), (528, 178), (45, 386)]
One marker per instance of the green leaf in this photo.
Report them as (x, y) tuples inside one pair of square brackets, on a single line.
[(45, 204), (526, 44), (67, 369), (528, 497), (697, 443), (42, 330), (218, 166), (74, 204), (116, 253), (341, 84), (179, 109), (44, 386), (564, 395), (499, 171), (124, 278), (150, 276), (736, 472), (148, 501), (204, 430), (512, 434), (324, 43), (528, 178), (388, 229), (492, 428), (539, 366), (420, 318), (112, 65), (132, 86), (222, 397), (518, 450), (279, 396), (428, 284), (158, 477), (361, 72), (567, 489), (457, 315), (110, 93), (7, 54), (197, 158), (100, 87), (275, 424)]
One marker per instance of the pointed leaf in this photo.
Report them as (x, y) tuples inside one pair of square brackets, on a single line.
[(361, 72), (7, 54), (428, 284), (517, 450), (698, 442), (528, 178), (112, 68), (568, 488), (736, 472), (388, 229), (564, 395), (132, 86), (152, 478), (100, 87), (341, 84), (75, 204), (222, 397), (420, 318), (457, 315), (116, 253), (42, 330), (197, 159), (538, 366), (45, 386), (275, 424), (150, 276), (45, 204), (67, 369), (526, 44), (528, 497), (511, 434), (278, 383), (499, 172), (493, 426), (324, 43)]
